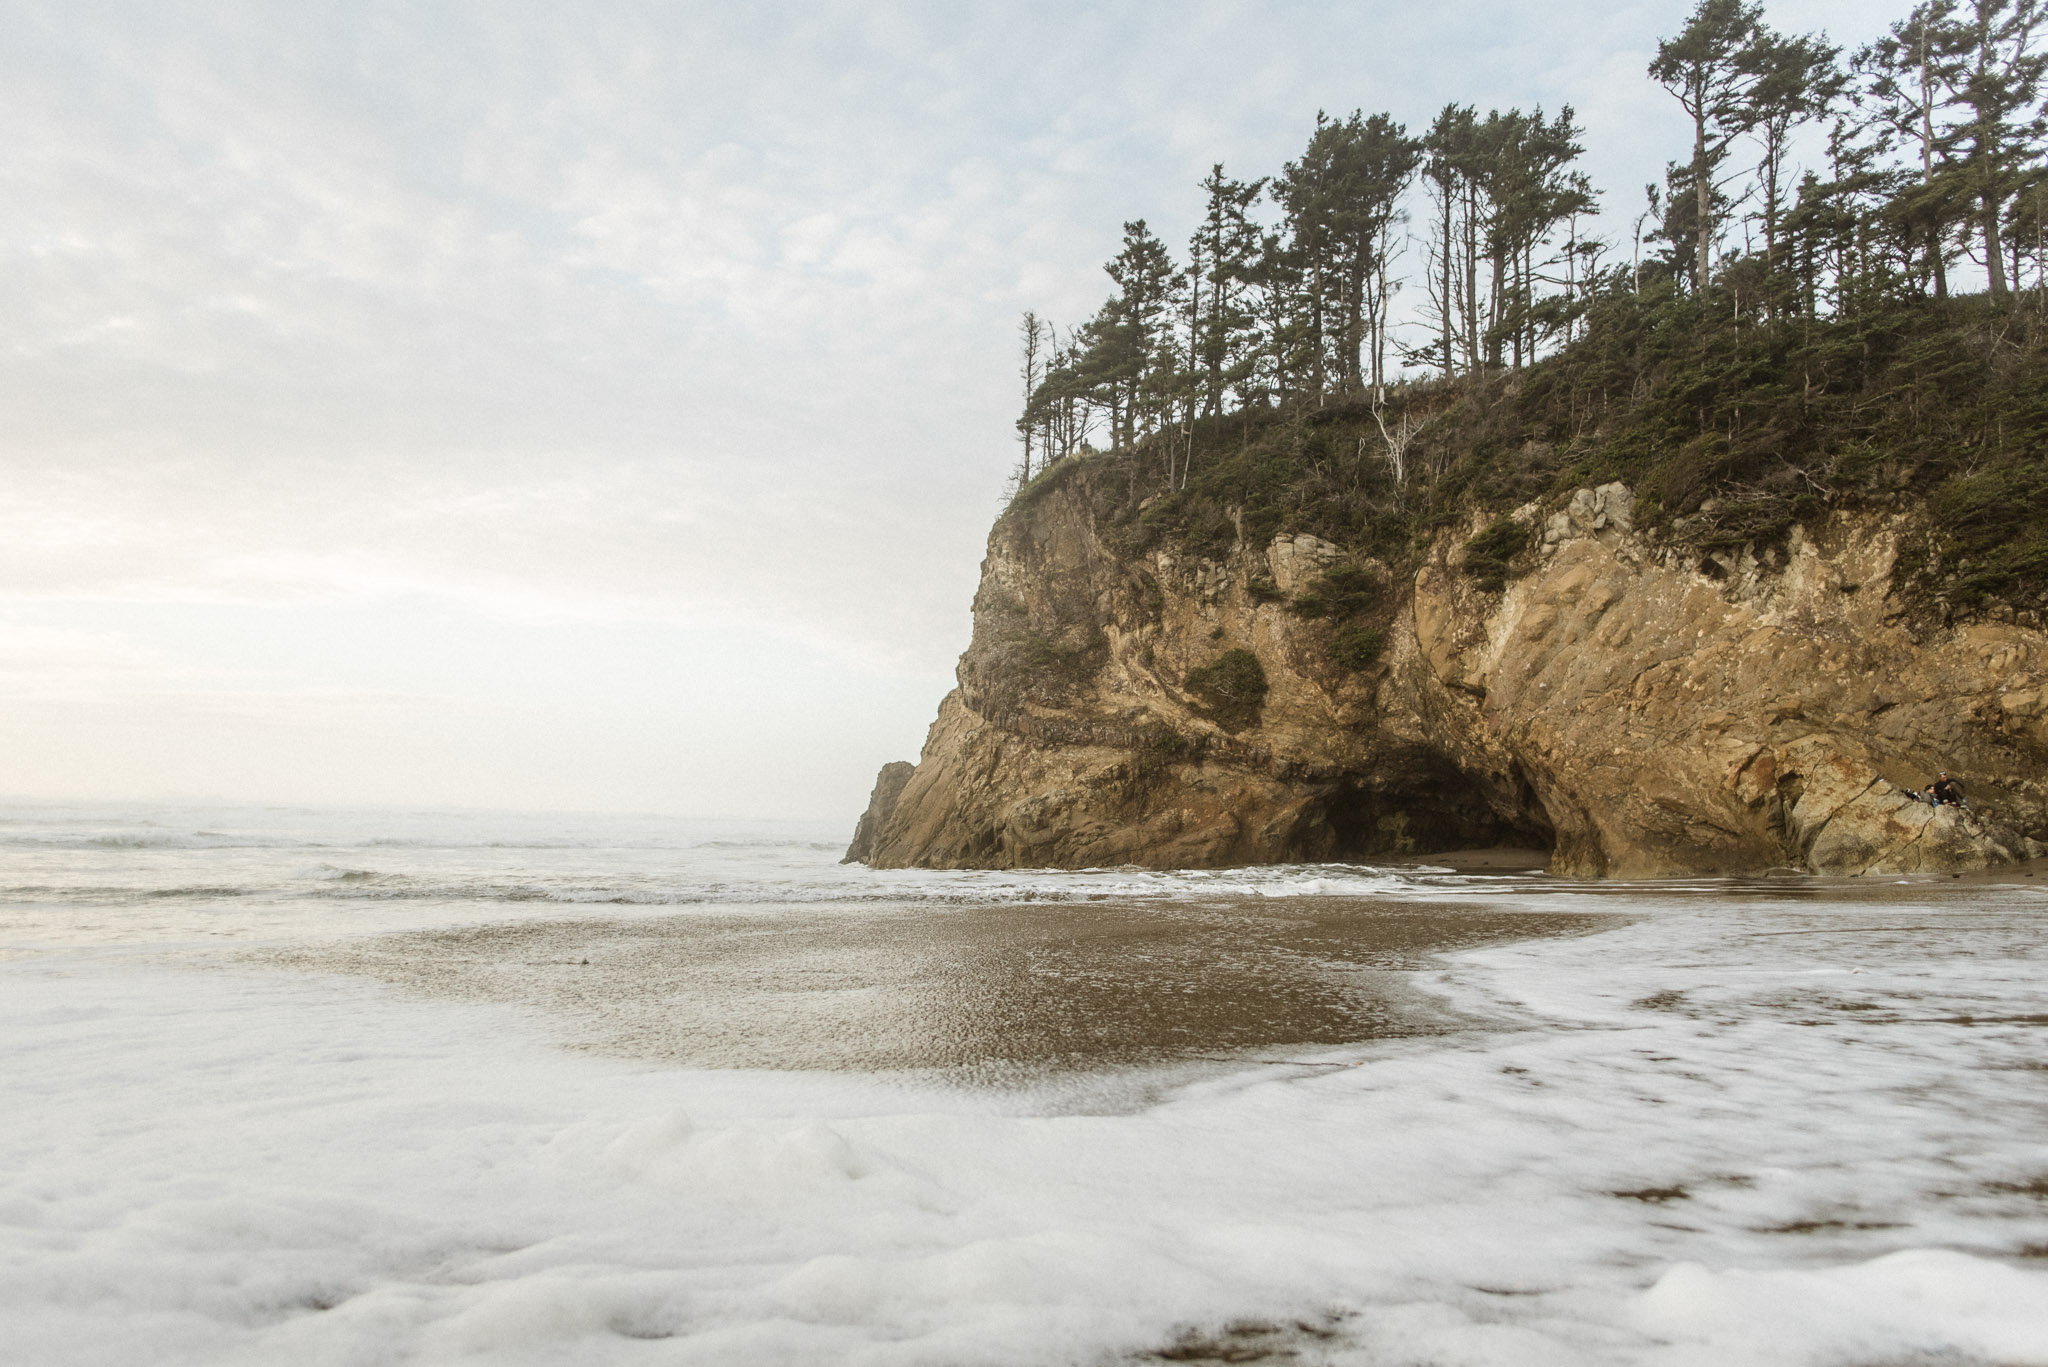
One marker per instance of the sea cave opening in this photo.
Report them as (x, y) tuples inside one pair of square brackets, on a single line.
[(1421, 802)]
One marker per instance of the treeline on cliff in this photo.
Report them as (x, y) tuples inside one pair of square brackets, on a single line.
[(1769, 342)]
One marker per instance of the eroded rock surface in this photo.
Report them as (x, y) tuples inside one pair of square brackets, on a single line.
[(1635, 711), (881, 802)]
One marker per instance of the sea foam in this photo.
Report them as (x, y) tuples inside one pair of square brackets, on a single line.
[(1743, 1124)]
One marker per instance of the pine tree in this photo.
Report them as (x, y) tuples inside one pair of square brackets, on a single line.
[(1531, 191), (1905, 93), (1225, 257), (1342, 200), (1709, 69), (1280, 366), (1996, 80), (1448, 170), (1145, 277), (1501, 187), (1795, 80), (1031, 368)]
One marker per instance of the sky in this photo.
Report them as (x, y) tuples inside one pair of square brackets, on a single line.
[(601, 406)]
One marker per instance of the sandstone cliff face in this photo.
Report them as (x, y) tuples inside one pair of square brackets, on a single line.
[(1636, 712)]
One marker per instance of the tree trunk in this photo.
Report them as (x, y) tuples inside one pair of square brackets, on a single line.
[(1936, 265), (1354, 317), (1445, 297), (1703, 190), (1994, 250), (1471, 282), (1772, 153), (1316, 317)]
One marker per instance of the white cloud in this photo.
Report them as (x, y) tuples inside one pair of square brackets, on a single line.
[(683, 314)]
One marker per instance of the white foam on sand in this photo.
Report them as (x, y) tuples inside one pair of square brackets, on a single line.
[(1731, 1132)]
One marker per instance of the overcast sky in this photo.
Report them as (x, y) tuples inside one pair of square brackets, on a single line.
[(600, 405)]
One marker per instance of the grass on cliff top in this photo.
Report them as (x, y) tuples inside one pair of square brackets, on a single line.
[(1730, 432)]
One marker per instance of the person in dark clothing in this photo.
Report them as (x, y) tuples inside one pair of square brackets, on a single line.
[(1945, 791)]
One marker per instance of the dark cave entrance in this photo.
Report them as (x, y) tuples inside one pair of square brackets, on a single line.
[(1419, 802)]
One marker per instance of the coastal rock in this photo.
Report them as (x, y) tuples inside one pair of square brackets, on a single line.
[(888, 788), (1633, 710), (1590, 511)]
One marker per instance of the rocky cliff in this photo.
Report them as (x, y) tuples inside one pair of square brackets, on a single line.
[(1632, 708)]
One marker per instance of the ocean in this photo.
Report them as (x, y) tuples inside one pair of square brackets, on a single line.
[(289, 1085)]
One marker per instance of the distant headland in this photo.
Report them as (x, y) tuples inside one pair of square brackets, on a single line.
[(1700, 550)]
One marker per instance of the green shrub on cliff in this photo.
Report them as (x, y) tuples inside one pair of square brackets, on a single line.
[(1356, 647), (1993, 527), (1232, 687), (1013, 661), (1340, 593), (1047, 655), (1490, 556)]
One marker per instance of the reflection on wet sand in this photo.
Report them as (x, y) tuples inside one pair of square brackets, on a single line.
[(989, 993)]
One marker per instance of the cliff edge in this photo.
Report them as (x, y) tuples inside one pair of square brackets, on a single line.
[(1632, 708)]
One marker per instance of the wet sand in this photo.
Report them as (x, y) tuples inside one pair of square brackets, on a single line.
[(986, 994), (1507, 860)]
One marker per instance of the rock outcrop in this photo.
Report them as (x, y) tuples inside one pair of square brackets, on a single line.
[(1632, 708), (888, 787)]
